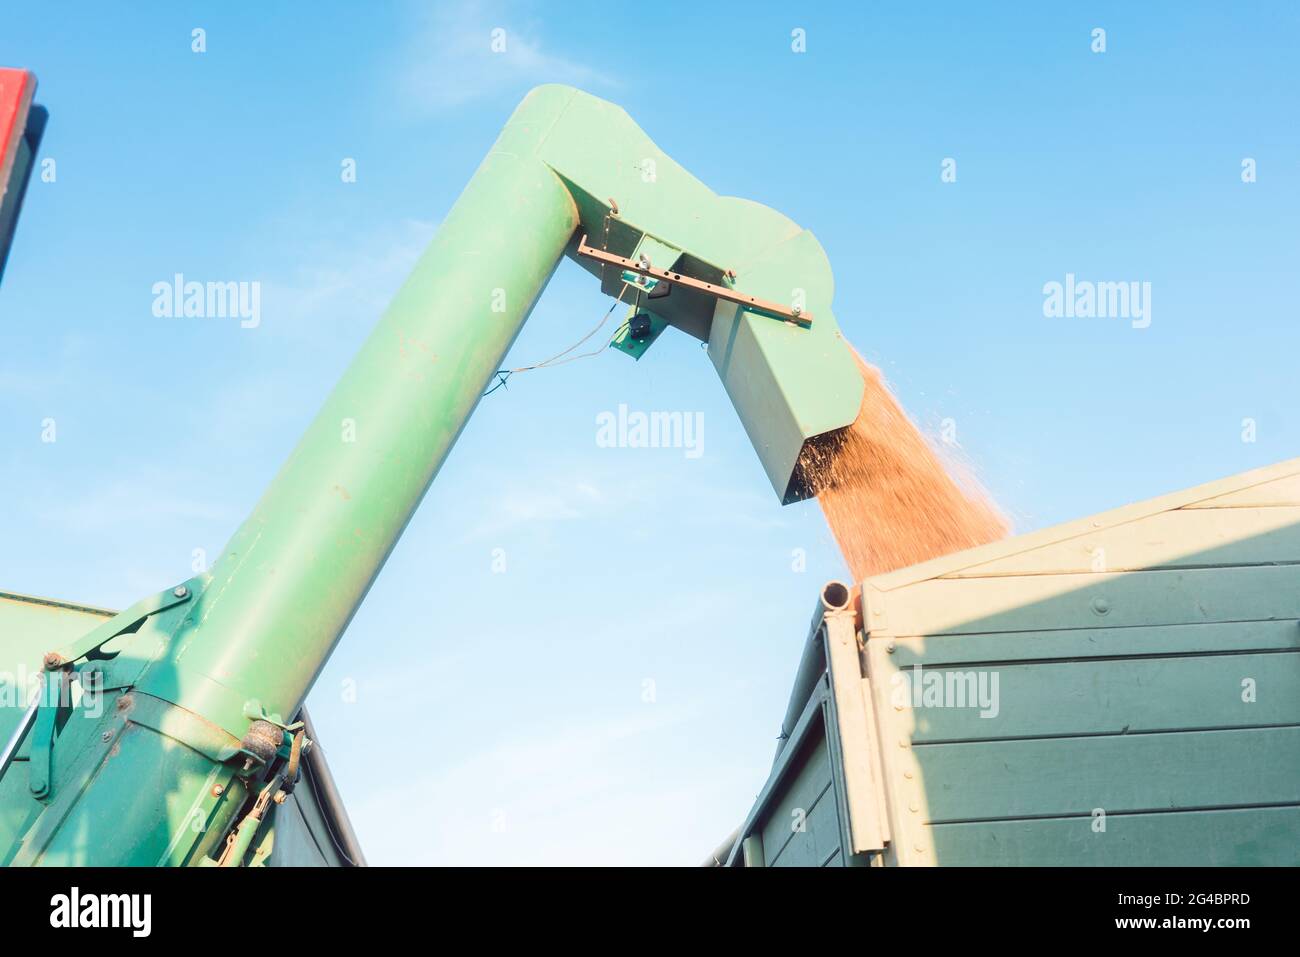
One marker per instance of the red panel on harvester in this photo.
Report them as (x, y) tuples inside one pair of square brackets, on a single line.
[(16, 89), (21, 125)]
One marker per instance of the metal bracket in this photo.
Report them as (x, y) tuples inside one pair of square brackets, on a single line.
[(254, 711), (89, 644), (636, 348), (753, 303), (56, 690), (55, 701)]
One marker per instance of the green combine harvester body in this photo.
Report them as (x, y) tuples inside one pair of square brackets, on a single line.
[(309, 828)]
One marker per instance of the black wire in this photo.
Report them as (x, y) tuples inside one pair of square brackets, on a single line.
[(558, 359), (502, 375)]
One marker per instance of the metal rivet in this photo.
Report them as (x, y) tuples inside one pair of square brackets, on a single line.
[(106, 736), (1100, 605), (891, 648), (180, 591), (914, 808), (908, 775)]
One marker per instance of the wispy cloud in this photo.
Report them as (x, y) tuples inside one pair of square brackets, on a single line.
[(149, 495), (520, 505), (462, 52), (541, 795), (344, 283), (19, 376), (537, 502)]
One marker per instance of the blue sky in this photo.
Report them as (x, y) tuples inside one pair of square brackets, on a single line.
[(503, 716)]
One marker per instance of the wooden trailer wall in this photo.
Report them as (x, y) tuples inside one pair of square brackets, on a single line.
[(1120, 690)]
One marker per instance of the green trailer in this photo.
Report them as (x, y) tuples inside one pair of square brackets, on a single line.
[(1119, 690)]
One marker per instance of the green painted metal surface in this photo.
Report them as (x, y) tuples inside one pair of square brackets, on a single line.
[(250, 638), (148, 817), (802, 828), (289, 581), (788, 384), (1120, 690), (1244, 837)]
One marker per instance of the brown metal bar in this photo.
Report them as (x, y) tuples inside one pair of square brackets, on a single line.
[(718, 292)]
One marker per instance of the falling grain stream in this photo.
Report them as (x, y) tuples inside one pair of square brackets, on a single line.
[(888, 496)]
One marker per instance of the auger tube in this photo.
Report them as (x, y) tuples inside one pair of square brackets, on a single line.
[(188, 683)]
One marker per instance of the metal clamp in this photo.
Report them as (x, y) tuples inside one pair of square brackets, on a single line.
[(55, 700)]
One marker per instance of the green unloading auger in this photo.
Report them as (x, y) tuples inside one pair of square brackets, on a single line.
[(191, 699)]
